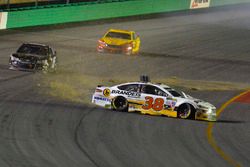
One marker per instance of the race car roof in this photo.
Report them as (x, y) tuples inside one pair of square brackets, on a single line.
[(149, 83), (39, 44), (121, 31)]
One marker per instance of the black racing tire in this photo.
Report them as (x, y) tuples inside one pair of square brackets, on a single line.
[(186, 111), (120, 103)]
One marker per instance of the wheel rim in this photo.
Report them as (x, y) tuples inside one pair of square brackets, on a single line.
[(120, 104), (185, 111)]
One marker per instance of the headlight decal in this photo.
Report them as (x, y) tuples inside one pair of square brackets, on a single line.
[(12, 58)]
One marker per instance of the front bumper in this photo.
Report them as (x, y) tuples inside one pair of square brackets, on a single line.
[(114, 49), (199, 115), (22, 65), (26, 66)]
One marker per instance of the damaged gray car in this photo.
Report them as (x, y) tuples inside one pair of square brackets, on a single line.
[(33, 57)]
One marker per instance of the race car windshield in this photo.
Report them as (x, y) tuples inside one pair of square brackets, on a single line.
[(33, 49), (174, 92), (119, 35)]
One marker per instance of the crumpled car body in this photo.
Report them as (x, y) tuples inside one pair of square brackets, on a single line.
[(33, 57)]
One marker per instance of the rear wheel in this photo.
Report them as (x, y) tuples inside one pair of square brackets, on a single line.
[(186, 111), (120, 103)]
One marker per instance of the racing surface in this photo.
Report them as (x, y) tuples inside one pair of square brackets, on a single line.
[(42, 129)]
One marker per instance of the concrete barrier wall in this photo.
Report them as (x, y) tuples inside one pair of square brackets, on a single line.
[(93, 11), (215, 3)]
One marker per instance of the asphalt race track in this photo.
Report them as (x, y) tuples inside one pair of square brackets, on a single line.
[(38, 129)]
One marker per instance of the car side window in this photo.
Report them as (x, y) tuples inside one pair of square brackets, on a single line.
[(153, 90), (129, 87), (134, 36)]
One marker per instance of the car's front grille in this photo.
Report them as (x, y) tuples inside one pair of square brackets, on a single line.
[(214, 111), (115, 46), (25, 65), (25, 60)]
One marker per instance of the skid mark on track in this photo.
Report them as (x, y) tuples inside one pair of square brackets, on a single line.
[(210, 137), (76, 138)]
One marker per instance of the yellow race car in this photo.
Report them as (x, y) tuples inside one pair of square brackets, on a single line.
[(119, 41)]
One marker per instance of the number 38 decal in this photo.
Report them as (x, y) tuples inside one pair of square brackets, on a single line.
[(156, 104)]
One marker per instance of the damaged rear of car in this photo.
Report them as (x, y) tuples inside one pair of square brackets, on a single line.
[(33, 57)]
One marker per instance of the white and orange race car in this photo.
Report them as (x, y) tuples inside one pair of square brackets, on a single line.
[(153, 99)]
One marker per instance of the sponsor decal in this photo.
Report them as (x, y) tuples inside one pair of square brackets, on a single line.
[(170, 98), (196, 4), (3, 20), (106, 92), (102, 99), (123, 92), (132, 107), (170, 104)]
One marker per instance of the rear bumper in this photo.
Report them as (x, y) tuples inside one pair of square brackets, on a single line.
[(101, 101)]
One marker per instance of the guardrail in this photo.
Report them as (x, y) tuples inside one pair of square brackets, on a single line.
[(85, 11), (91, 11), (9, 5), (215, 3)]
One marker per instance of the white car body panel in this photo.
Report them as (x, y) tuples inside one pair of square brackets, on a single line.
[(137, 100)]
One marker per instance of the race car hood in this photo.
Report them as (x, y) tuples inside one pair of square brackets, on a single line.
[(200, 103), (115, 41), (203, 104), (29, 56)]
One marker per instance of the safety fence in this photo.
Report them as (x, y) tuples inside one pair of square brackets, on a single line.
[(15, 4), (98, 9)]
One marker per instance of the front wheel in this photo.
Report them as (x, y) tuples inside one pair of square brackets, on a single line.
[(120, 103), (185, 111)]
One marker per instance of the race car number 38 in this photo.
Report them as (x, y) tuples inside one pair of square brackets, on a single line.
[(156, 104)]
